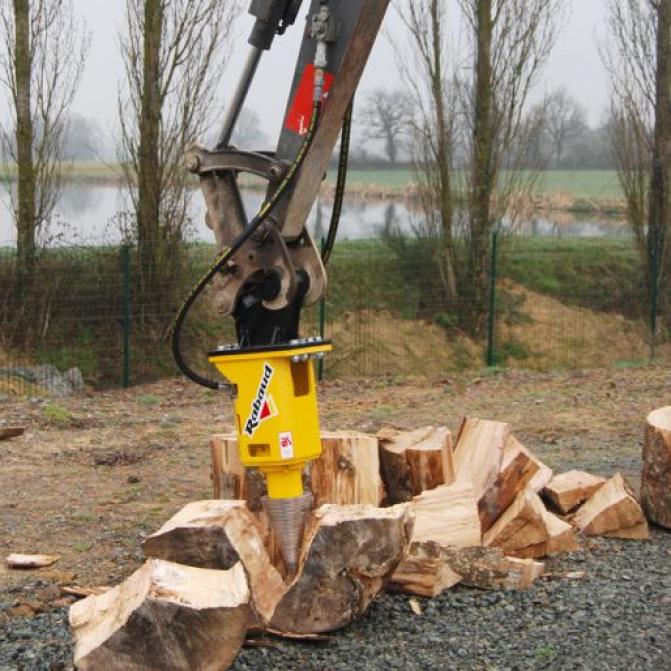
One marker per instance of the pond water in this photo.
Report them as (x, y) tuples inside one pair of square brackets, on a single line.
[(89, 213)]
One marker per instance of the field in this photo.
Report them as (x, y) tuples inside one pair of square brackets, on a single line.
[(592, 185)]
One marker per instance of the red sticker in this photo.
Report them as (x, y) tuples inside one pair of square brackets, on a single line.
[(300, 111)]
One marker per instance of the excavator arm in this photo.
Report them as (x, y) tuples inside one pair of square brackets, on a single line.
[(279, 269), (268, 268)]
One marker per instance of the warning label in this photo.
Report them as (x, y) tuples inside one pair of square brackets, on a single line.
[(287, 445)]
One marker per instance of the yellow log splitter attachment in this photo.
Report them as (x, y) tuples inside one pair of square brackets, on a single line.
[(277, 422)]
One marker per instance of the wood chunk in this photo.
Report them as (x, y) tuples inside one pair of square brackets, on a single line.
[(415, 461), (518, 467), (7, 432), (165, 617), (348, 555), (656, 475), (216, 535), (348, 470), (611, 510), (424, 571), (22, 561), (479, 453), (544, 474), (562, 538), (568, 490), (445, 517), (488, 568), (521, 525)]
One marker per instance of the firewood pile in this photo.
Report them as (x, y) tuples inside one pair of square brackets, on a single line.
[(412, 512)]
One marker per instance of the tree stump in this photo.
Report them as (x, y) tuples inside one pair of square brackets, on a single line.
[(165, 617), (656, 475)]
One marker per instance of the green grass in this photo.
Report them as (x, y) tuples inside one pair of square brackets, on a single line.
[(580, 184)]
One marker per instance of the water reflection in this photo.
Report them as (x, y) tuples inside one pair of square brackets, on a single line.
[(89, 214)]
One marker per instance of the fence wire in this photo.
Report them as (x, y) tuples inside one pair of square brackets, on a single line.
[(553, 302)]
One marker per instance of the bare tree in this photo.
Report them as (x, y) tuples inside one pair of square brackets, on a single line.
[(248, 132), (638, 57), (387, 114), (174, 54), (564, 120), (41, 62), (474, 115)]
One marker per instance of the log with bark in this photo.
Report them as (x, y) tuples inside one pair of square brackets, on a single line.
[(165, 617), (349, 554), (567, 491), (656, 475), (613, 511), (216, 535), (348, 472), (416, 461)]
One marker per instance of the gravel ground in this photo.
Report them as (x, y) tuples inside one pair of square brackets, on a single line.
[(617, 617)]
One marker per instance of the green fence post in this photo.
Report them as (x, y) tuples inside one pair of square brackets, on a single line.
[(491, 319), (126, 251), (653, 299), (322, 323)]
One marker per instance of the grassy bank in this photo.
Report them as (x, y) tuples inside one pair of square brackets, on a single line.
[(374, 296)]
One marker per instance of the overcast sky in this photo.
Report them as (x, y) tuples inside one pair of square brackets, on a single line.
[(575, 63)]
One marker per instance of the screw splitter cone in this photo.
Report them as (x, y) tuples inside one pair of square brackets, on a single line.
[(287, 518)]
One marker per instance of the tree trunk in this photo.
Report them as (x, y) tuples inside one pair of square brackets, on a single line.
[(149, 175), (483, 178), (660, 204), (25, 216)]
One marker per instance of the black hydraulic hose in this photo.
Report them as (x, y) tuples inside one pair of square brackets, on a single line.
[(341, 183), (227, 254)]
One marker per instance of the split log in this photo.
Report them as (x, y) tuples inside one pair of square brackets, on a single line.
[(424, 571), (521, 525), (562, 538), (613, 510), (544, 474), (568, 490), (479, 453), (165, 617), (348, 556), (22, 561), (216, 535), (446, 517), (488, 568), (416, 461), (348, 472), (7, 432), (518, 467), (656, 475)]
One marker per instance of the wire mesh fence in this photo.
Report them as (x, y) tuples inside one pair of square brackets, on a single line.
[(554, 302)]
